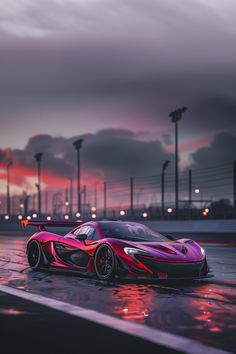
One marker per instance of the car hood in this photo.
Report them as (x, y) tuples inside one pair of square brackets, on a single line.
[(173, 251)]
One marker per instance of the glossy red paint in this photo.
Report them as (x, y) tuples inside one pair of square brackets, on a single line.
[(183, 258)]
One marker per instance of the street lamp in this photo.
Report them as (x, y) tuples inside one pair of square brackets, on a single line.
[(38, 158), (95, 194), (9, 164), (164, 167), (71, 195), (175, 117), (78, 144)]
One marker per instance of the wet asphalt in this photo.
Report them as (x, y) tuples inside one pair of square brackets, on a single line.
[(202, 310), (27, 327)]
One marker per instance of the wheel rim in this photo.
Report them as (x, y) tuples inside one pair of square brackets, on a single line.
[(33, 254), (104, 262)]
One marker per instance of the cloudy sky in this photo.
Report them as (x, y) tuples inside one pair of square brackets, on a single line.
[(111, 71)]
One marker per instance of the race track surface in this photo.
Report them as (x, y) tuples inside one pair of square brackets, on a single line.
[(202, 310)]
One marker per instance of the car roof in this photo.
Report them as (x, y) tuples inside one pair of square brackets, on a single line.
[(116, 222)]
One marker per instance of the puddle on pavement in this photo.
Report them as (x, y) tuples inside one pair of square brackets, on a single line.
[(13, 312)]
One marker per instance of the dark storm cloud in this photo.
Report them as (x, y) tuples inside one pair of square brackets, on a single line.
[(109, 154), (106, 62), (217, 113), (221, 151), (120, 154), (212, 168), (112, 154), (63, 77)]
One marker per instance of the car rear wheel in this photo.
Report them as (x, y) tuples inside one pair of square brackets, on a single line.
[(105, 263), (35, 255)]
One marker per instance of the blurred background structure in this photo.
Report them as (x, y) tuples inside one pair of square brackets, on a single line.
[(208, 193)]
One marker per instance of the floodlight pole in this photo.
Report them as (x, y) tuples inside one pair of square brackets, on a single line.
[(95, 195), (78, 144), (132, 196), (234, 188), (71, 195), (190, 192), (9, 164), (38, 158), (175, 117), (164, 167), (105, 199)]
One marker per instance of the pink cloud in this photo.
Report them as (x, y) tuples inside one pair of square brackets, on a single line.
[(192, 145)]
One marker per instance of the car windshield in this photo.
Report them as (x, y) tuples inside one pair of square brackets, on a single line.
[(131, 231)]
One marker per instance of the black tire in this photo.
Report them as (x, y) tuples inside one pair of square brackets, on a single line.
[(105, 263), (34, 255)]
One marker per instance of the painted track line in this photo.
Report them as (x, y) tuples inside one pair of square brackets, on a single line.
[(152, 335)]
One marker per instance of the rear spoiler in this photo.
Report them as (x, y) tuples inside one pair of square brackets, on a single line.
[(41, 224)]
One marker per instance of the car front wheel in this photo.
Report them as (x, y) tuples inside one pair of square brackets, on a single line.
[(105, 263)]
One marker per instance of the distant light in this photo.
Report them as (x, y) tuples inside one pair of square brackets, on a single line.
[(93, 209), (28, 217), (34, 215), (20, 217), (66, 203), (49, 218), (122, 212), (197, 190), (125, 309), (204, 213), (77, 215), (66, 217), (6, 217), (21, 205), (169, 210), (94, 216), (207, 210), (145, 215), (145, 314)]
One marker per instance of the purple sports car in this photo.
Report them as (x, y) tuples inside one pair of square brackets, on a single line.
[(115, 248)]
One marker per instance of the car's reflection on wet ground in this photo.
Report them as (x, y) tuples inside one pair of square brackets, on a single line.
[(202, 310)]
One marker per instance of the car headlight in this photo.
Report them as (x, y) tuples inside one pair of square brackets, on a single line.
[(203, 251), (132, 251)]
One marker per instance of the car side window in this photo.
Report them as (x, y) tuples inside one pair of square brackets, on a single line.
[(90, 231), (93, 235), (81, 230)]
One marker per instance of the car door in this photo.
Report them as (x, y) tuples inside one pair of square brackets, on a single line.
[(71, 253)]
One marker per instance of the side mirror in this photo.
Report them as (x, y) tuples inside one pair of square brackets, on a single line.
[(170, 237), (81, 237)]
